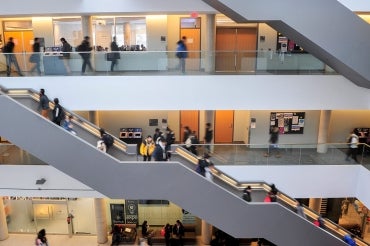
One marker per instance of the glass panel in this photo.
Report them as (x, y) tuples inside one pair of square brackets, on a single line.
[(20, 216), (68, 28), (51, 216)]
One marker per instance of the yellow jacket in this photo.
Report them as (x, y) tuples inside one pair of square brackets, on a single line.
[(146, 149)]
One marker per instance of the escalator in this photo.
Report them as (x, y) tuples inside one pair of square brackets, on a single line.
[(217, 203), (326, 29)]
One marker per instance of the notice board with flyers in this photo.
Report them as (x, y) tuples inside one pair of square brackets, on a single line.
[(288, 122)]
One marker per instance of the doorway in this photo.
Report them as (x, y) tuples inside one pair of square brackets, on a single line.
[(190, 28), (236, 49), (23, 41), (224, 126), (189, 118)]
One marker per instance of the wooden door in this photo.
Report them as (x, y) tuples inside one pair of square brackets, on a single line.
[(23, 41), (246, 44), (225, 47), (189, 118), (235, 49), (193, 44), (224, 126)]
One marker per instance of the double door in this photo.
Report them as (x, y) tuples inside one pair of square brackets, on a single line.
[(236, 49), (223, 125), (23, 41)]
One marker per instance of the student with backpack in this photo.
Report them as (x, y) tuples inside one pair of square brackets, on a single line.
[(107, 139), (58, 112)]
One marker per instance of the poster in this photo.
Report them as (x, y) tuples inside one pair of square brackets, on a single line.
[(288, 122)]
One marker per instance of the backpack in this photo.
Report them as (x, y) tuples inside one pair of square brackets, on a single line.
[(62, 114), (108, 140)]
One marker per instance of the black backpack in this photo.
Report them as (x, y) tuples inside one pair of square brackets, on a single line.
[(108, 140)]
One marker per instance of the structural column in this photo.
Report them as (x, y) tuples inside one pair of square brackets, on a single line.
[(206, 232), (94, 117), (86, 26), (3, 226), (323, 131), (210, 55), (101, 220), (315, 204)]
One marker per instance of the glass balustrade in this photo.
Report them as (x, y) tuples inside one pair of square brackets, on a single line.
[(239, 154), (165, 62)]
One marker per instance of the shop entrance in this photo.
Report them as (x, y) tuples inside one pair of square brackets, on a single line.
[(51, 216), (236, 49)]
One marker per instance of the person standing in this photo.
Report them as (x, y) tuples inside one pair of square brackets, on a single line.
[(353, 146), (115, 53), (208, 137), (247, 193), (35, 57), (160, 152), (167, 234), (273, 142), (300, 210), (66, 54), (178, 232), (44, 104), (147, 148), (58, 112), (85, 51), (181, 53), (10, 58)]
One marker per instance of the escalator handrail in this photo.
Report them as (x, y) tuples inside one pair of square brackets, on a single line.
[(284, 199)]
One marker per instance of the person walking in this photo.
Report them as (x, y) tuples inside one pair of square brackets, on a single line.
[(41, 239), (66, 54), (10, 58), (178, 232), (273, 143), (181, 53), (44, 104), (353, 141), (115, 54), (35, 57), (85, 52)]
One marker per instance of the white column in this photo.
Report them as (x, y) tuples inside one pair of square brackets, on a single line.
[(101, 220), (323, 131), (206, 232), (210, 30), (3, 226)]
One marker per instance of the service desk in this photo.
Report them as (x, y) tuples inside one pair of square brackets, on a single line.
[(133, 61), (53, 64)]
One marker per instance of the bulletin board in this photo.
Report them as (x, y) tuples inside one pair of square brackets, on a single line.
[(288, 122)]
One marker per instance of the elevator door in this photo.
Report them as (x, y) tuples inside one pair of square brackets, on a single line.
[(236, 49)]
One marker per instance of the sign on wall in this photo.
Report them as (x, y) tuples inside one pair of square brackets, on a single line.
[(288, 122)]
